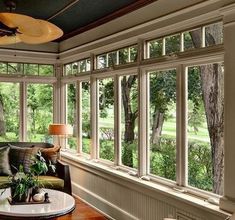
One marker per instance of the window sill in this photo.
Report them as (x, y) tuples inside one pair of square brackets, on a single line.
[(141, 185)]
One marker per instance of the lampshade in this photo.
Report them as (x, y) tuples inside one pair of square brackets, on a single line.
[(15, 28), (60, 129)]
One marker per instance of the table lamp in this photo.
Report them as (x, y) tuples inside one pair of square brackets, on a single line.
[(60, 130)]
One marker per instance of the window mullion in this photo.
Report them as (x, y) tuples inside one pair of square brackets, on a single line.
[(94, 119), (142, 127), (79, 116), (181, 121), (23, 111), (117, 121)]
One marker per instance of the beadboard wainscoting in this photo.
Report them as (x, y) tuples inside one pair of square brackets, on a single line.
[(123, 198)]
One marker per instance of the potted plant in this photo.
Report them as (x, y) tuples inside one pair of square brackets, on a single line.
[(39, 167), (21, 184)]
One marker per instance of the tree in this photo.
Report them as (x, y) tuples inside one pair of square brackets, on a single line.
[(212, 92), (129, 94)]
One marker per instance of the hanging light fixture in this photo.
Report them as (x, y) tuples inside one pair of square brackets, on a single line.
[(15, 28)]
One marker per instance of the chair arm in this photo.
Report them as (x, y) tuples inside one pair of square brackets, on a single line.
[(63, 172)]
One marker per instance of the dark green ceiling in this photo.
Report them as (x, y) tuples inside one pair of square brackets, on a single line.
[(81, 15)]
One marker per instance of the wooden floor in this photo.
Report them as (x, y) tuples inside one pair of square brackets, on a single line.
[(82, 212)]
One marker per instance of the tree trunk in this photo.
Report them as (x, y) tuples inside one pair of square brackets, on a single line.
[(2, 121), (130, 117), (213, 97), (158, 120), (212, 88)]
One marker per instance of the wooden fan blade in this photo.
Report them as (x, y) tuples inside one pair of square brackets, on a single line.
[(50, 32), (25, 24), (5, 40)]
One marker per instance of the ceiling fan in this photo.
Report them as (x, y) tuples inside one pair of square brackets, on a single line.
[(15, 28)]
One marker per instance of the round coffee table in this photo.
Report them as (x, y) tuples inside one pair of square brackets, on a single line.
[(60, 204)]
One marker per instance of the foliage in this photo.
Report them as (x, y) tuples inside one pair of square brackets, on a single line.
[(200, 166), (107, 150), (21, 182), (163, 160)]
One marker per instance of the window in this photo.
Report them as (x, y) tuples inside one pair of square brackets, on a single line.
[(3, 68), (30, 69), (214, 34), (162, 123), (15, 68), (71, 113), (192, 39), (106, 119), (118, 57), (172, 44), (154, 48), (9, 111), (205, 127), (39, 111), (86, 117), (68, 69), (129, 120), (46, 70), (168, 135), (27, 69)]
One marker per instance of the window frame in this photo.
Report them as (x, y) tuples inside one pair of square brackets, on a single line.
[(202, 55)]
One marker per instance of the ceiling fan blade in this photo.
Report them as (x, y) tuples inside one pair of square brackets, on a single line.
[(5, 40), (50, 32), (25, 24)]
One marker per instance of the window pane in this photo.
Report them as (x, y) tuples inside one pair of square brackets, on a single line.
[(155, 48), (9, 111), (106, 119), (46, 70), (71, 114), (82, 64), (129, 120), (133, 54), (15, 68), (39, 111), (3, 68), (123, 56), (172, 44), (113, 58), (31, 69), (68, 69), (214, 34), (88, 65), (192, 39), (86, 119), (162, 123), (205, 127), (101, 61), (74, 68)]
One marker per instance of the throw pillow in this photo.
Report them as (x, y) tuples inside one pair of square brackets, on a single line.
[(21, 155), (51, 154), (5, 169)]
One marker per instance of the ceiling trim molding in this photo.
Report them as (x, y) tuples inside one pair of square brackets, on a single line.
[(28, 56), (125, 10)]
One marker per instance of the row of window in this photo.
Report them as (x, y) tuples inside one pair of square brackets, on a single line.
[(26, 69), (161, 122), (204, 135), (80, 66), (205, 36), (39, 111)]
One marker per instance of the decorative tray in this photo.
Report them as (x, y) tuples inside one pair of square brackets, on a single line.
[(27, 202)]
